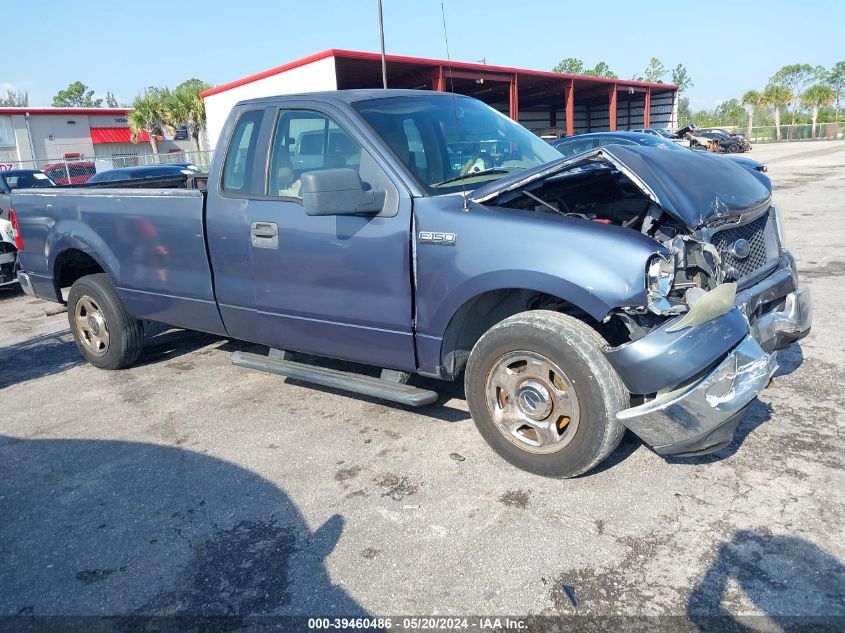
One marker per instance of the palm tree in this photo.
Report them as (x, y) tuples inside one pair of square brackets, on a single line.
[(751, 99), (148, 115), (186, 107), (777, 96), (815, 96)]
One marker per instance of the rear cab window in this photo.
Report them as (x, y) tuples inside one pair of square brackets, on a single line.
[(238, 169)]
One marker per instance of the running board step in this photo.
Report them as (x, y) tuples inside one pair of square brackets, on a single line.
[(357, 383)]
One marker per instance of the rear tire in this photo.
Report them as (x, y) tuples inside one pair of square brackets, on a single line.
[(543, 395), (105, 333)]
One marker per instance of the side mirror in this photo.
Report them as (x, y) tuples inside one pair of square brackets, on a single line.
[(338, 192)]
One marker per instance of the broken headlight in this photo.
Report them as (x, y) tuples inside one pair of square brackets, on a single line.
[(660, 275)]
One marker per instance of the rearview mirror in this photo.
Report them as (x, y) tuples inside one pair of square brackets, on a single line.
[(338, 192)]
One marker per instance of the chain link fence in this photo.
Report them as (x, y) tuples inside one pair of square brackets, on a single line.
[(797, 132), (74, 170)]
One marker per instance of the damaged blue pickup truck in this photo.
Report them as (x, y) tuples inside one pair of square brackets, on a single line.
[(426, 233)]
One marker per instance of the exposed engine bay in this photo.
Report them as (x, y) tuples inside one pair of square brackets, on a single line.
[(694, 261)]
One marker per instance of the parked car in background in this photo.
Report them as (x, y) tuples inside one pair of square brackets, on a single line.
[(729, 144), (583, 142), (74, 173), (556, 287), (736, 135), (144, 172), (663, 132), (11, 180), (20, 179), (657, 131)]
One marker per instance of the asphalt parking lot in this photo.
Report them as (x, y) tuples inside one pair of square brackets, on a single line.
[(188, 485)]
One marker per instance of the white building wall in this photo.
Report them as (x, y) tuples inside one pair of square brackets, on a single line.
[(316, 76), (55, 135)]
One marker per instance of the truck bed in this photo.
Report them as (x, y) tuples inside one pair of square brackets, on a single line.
[(152, 240)]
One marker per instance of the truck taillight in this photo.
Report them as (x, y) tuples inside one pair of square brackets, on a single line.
[(16, 229)]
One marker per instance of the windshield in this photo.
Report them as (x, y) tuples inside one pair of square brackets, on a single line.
[(27, 180), (456, 143)]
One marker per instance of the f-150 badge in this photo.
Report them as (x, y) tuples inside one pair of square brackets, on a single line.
[(438, 237)]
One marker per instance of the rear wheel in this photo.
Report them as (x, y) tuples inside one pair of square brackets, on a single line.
[(103, 330), (543, 395), (733, 148)]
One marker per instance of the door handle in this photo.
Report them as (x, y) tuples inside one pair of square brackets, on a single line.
[(264, 234)]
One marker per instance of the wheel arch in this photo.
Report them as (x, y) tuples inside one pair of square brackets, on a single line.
[(480, 312), (73, 263)]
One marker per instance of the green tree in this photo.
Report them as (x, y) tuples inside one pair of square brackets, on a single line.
[(111, 101), (14, 98), (751, 99), (681, 78), (149, 114), (601, 70), (76, 95), (815, 97), (684, 112), (836, 80), (570, 66), (654, 72), (776, 96), (795, 77), (730, 113), (186, 107)]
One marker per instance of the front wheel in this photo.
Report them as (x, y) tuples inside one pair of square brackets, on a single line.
[(543, 395), (733, 148), (103, 330)]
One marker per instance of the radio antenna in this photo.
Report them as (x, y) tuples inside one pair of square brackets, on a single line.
[(454, 103), (381, 36)]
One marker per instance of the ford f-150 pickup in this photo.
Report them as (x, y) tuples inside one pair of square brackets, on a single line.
[(623, 287)]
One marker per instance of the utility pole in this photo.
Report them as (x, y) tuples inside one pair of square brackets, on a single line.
[(381, 35)]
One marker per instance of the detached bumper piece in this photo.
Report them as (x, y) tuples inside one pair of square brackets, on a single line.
[(789, 323), (701, 416)]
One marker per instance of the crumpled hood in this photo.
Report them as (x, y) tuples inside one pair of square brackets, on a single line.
[(694, 187)]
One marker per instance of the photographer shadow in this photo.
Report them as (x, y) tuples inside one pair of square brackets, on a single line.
[(136, 530), (793, 583)]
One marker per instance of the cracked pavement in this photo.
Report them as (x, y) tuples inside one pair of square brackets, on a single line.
[(188, 485)]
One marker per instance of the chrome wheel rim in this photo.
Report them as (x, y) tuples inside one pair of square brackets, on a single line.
[(91, 326), (533, 402)]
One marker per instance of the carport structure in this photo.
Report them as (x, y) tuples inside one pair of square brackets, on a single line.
[(539, 99), (543, 101)]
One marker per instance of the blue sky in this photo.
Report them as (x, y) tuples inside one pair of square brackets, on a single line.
[(728, 47)]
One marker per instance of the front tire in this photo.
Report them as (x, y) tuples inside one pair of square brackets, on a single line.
[(105, 333), (543, 395)]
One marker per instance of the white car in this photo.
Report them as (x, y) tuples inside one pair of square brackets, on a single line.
[(8, 254)]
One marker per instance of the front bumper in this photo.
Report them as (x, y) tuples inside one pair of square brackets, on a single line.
[(701, 417), (698, 381)]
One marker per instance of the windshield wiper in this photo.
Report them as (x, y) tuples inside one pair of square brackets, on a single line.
[(483, 172)]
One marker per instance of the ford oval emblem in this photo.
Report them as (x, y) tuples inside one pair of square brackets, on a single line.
[(740, 249)]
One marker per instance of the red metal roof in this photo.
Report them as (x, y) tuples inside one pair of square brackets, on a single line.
[(116, 135), (422, 61), (78, 111)]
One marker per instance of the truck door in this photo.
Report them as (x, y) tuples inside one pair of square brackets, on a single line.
[(337, 286)]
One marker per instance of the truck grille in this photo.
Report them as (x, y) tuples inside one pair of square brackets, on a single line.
[(762, 240)]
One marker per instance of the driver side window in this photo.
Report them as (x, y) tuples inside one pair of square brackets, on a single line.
[(306, 140)]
